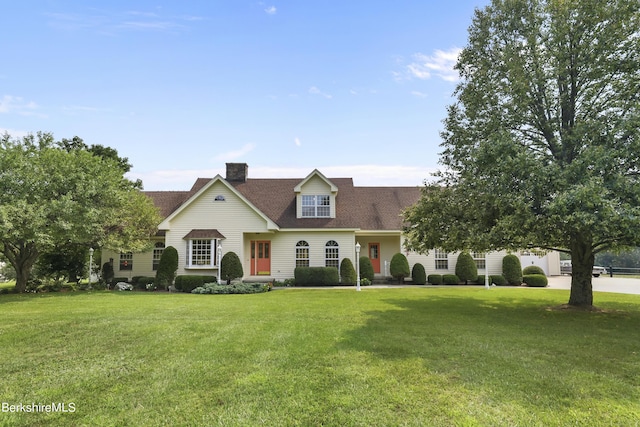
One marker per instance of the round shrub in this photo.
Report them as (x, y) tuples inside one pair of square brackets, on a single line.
[(466, 269), (536, 280), (532, 269), (435, 279), (167, 267), (399, 267), (231, 267), (366, 268), (418, 275), (512, 270), (450, 279), (347, 272), (498, 280), (107, 272)]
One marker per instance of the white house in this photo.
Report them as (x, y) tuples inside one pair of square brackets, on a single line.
[(275, 225)]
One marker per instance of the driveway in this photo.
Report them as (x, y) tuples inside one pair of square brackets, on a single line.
[(600, 284)]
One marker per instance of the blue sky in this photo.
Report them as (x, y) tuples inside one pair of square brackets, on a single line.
[(353, 88)]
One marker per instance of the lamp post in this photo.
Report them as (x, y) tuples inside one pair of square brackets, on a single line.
[(219, 261), (486, 274), (90, 264), (357, 266)]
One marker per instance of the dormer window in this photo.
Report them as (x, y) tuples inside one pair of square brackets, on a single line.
[(317, 206), (219, 198)]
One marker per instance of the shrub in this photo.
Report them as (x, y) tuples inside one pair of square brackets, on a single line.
[(450, 279), (316, 276), (399, 267), (498, 280), (188, 282), (167, 267), (532, 269), (366, 269), (418, 275), (141, 282), (466, 269), (107, 272), (347, 272), (435, 279), (536, 280), (512, 270), (231, 267), (365, 282), (236, 288)]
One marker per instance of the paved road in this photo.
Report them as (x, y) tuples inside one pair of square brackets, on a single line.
[(600, 284)]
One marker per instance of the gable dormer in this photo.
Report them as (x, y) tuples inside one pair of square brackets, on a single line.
[(316, 197)]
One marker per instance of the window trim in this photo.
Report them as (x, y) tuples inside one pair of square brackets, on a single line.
[(126, 258), (213, 254), (158, 249), (480, 258), (441, 259), (303, 254), (332, 254), (315, 205)]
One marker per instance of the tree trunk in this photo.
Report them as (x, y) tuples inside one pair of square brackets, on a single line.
[(21, 256), (582, 259)]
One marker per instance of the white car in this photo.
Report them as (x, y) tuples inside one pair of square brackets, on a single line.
[(565, 268)]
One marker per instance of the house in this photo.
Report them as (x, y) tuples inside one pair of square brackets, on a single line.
[(275, 225)]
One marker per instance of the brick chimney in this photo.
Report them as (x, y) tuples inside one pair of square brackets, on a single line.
[(237, 172)]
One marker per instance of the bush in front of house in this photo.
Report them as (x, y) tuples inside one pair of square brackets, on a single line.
[(535, 280), (512, 270), (141, 282), (466, 269), (235, 288), (188, 282), (366, 268), (435, 279), (399, 267), (231, 267), (418, 275), (167, 267), (347, 272), (532, 269), (316, 276), (450, 279), (497, 280), (107, 272)]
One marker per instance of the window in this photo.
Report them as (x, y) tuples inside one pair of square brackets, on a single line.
[(219, 198), (332, 254), (202, 253), (126, 261), (157, 254), (442, 260), (316, 206), (480, 259), (302, 254)]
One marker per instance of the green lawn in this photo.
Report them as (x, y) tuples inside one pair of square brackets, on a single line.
[(380, 357)]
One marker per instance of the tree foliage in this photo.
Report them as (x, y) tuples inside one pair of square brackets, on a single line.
[(347, 272), (466, 268), (167, 267), (54, 197), (399, 267), (512, 269), (541, 146), (366, 268), (231, 267)]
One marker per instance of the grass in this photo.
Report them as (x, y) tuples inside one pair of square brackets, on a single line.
[(295, 357)]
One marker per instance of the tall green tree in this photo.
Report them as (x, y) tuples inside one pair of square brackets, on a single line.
[(541, 146), (51, 196)]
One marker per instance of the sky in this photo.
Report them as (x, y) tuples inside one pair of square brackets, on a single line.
[(351, 88)]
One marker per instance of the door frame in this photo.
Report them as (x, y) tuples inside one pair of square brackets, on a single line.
[(375, 264), (260, 266)]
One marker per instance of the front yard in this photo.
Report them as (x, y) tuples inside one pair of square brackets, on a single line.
[(409, 356)]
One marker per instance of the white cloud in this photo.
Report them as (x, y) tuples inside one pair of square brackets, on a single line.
[(418, 94), (313, 90), (271, 10), (14, 133), (15, 104), (297, 142), (440, 64), (235, 154)]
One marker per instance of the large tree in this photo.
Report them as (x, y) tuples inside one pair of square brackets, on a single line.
[(52, 197), (541, 146)]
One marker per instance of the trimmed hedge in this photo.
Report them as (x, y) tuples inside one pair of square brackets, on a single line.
[(236, 288), (316, 276), (107, 272), (498, 280), (536, 280), (512, 270), (188, 282), (366, 268), (231, 267), (167, 267), (347, 272), (435, 279), (399, 267), (532, 269), (466, 269), (418, 275), (450, 279)]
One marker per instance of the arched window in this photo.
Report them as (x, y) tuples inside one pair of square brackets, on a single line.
[(157, 254), (332, 254), (302, 254)]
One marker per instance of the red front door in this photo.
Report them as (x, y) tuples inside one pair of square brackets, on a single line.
[(374, 256), (260, 257)]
